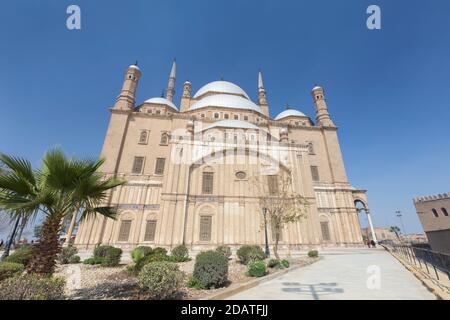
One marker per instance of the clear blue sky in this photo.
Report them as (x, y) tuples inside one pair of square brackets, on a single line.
[(388, 90)]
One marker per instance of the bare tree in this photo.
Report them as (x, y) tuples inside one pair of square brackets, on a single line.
[(282, 204)]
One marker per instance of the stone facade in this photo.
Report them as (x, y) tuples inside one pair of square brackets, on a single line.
[(190, 169), (433, 212)]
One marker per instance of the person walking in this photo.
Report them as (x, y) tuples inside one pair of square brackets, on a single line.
[(368, 243)]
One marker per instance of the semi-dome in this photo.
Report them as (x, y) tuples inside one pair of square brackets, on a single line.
[(163, 101), (226, 101), (221, 87), (290, 113), (233, 124)]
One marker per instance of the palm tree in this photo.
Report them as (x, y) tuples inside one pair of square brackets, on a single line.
[(395, 230), (60, 187)]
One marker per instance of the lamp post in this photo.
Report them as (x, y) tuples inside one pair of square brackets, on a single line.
[(267, 251), (399, 215)]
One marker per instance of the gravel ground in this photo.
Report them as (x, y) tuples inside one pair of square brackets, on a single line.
[(87, 282)]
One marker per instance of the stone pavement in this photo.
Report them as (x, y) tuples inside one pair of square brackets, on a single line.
[(342, 274)]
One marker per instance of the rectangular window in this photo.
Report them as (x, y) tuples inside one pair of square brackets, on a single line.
[(150, 230), (273, 185), (159, 167), (246, 118), (124, 232), (226, 116), (207, 182), (315, 173), (205, 228), (138, 165), (325, 231), (236, 117)]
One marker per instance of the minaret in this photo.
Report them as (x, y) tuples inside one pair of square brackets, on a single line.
[(171, 84), (186, 97), (323, 118), (262, 95), (127, 97)]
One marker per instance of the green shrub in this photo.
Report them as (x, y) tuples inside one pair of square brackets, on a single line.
[(32, 287), (140, 253), (193, 283), (313, 254), (10, 269), (151, 258), (21, 255), (274, 263), (180, 254), (162, 280), (211, 269), (66, 253), (101, 251), (225, 250), (93, 260), (256, 268), (112, 257), (159, 250), (75, 259), (285, 263), (249, 253)]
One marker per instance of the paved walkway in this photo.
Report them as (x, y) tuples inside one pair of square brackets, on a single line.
[(343, 274)]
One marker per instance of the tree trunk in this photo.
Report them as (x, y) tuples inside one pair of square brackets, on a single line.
[(10, 240), (44, 253), (73, 222), (277, 239), (23, 224)]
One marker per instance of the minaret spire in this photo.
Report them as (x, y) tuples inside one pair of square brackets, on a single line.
[(171, 84), (260, 81), (262, 95)]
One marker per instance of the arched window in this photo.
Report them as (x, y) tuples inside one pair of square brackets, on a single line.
[(164, 139), (435, 213), (444, 211), (310, 148), (143, 137)]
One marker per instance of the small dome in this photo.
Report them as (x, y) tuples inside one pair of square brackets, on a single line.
[(317, 88), (133, 66), (221, 87), (162, 101), (290, 113), (226, 101), (239, 124)]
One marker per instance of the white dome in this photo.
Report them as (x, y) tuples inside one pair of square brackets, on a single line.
[(290, 113), (133, 66), (233, 124), (317, 88), (226, 101), (163, 101), (221, 87)]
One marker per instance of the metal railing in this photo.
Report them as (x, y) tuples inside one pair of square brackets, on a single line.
[(434, 263)]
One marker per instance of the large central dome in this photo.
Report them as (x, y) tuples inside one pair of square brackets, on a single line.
[(219, 87)]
